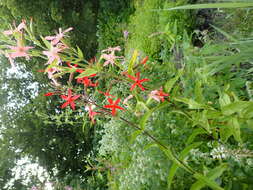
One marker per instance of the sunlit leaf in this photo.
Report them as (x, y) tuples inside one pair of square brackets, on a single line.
[(87, 73)]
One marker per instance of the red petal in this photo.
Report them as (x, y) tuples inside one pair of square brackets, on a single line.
[(138, 76), (110, 100), (118, 107), (131, 77), (144, 60), (64, 97), (72, 105), (75, 97), (49, 94), (64, 105), (69, 92), (117, 101), (143, 80), (133, 86)]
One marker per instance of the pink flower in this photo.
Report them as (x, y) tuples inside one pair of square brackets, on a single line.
[(57, 38), (158, 95), (110, 59), (18, 29), (112, 49), (53, 53), (69, 100), (34, 188), (50, 72), (19, 51), (92, 114), (127, 98), (68, 188)]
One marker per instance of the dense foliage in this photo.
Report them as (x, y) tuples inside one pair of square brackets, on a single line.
[(199, 138)]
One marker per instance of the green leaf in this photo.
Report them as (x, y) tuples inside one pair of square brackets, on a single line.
[(182, 155), (236, 129), (234, 107), (198, 91), (225, 132), (132, 62), (141, 106), (134, 135), (48, 45), (145, 117), (200, 118), (195, 133), (169, 84), (213, 5), (87, 72), (224, 99), (248, 111), (79, 53), (191, 103), (229, 37), (208, 180)]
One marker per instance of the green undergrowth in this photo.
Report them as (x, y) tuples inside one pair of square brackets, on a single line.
[(208, 119), (112, 22), (151, 30)]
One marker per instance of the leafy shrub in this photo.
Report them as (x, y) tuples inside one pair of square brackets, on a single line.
[(112, 22)]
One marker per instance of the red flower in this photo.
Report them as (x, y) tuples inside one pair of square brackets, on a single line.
[(49, 94), (113, 106), (85, 80), (137, 81), (106, 93), (69, 100), (158, 95), (71, 66), (144, 61)]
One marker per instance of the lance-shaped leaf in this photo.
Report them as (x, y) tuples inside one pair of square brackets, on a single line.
[(214, 6), (169, 84), (182, 156), (208, 180), (87, 73), (132, 62)]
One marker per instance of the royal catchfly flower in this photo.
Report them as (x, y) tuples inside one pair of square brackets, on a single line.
[(17, 29), (69, 100), (53, 53), (50, 73), (109, 59), (137, 81), (49, 94), (127, 98), (144, 61), (107, 93), (113, 106), (110, 56), (92, 113), (158, 95), (19, 51), (85, 80), (57, 38), (111, 49)]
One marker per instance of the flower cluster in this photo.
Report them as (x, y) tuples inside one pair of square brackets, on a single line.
[(89, 75)]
